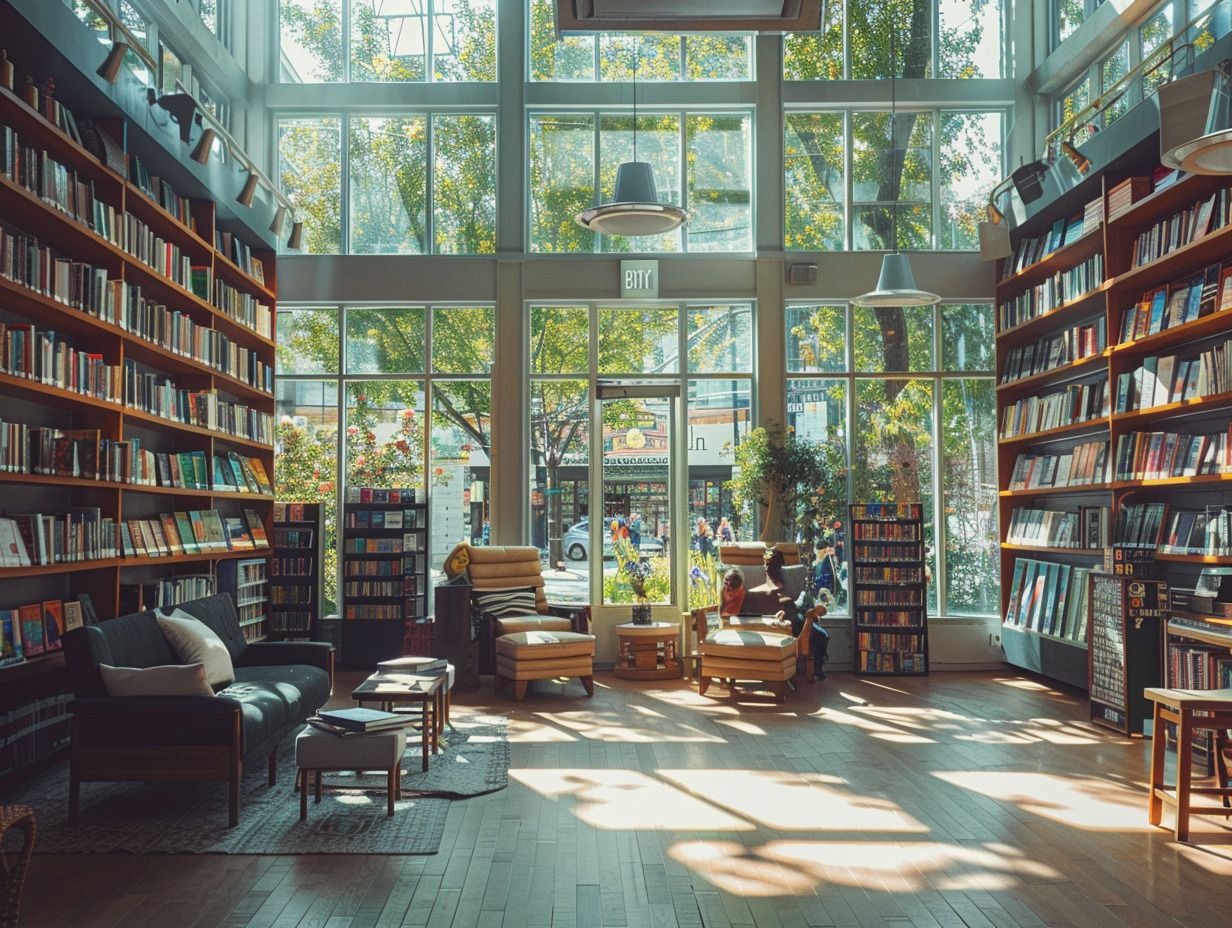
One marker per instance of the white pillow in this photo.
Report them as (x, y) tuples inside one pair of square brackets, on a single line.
[(193, 642), (167, 680)]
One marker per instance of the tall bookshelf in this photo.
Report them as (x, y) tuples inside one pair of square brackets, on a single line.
[(1113, 408), (295, 571), (888, 593), (133, 352), (384, 572)]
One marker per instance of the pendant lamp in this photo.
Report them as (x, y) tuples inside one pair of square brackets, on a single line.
[(896, 285), (635, 208)]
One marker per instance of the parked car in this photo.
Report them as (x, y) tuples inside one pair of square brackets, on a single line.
[(576, 543)]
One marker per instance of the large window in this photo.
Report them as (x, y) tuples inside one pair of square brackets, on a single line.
[(854, 178), (387, 40), (394, 396), (702, 162), (860, 41), (418, 184), (903, 400)]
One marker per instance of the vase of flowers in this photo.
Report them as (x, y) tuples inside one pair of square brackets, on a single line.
[(638, 572)]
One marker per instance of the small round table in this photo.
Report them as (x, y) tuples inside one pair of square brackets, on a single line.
[(647, 652)]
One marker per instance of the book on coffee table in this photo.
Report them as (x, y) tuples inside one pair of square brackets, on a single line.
[(362, 719), (423, 665)]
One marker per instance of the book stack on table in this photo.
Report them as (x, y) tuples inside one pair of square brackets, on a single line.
[(357, 721)]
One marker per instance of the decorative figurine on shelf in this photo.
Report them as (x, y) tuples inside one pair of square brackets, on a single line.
[(6, 70)]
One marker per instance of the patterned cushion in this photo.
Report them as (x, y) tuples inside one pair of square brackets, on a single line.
[(505, 603)]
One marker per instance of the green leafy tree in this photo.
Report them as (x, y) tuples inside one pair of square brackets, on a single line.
[(776, 472)]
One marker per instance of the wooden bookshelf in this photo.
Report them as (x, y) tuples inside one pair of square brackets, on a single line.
[(1155, 310), (104, 334)]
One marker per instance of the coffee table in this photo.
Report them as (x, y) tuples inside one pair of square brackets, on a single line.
[(397, 689)]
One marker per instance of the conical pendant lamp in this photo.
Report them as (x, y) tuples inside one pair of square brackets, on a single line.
[(635, 208), (896, 285)]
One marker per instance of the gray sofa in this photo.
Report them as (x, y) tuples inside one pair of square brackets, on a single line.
[(278, 685)]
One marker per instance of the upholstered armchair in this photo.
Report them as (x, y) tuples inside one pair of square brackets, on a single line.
[(522, 636)]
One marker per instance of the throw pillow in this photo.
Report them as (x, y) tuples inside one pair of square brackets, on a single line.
[(192, 641), (501, 604), (793, 580), (165, 680)]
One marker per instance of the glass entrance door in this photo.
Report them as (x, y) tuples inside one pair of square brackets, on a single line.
[(635, 424)]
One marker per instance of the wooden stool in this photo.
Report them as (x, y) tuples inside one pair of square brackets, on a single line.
[(317, 751), (1190, 711), (22, 818)]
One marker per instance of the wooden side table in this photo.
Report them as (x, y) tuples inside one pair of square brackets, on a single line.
[(1190, 711), (647, 652)]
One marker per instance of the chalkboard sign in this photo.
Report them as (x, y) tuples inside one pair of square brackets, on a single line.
[(1126, 645)]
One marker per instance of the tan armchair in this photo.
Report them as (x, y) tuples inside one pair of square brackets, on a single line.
[(746, 648), (522, 636)]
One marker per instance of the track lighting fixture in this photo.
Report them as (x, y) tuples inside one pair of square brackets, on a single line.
[(201, 152), (250, 190), (110, 68), (1080, 161), (183, 109), (296, 242), (280, 217)]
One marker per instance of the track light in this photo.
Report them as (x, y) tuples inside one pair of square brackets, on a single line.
[(250, 190), (201, 152), (110, 68), (995, 215), (1080, 161), (280, 216), (994, 235), (297, 235)]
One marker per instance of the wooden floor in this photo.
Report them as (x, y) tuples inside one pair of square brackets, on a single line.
[(980, 800)]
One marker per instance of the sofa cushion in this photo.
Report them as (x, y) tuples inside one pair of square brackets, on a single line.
[(165, 680), (503, 603), (303, 689), (195, 642), (749, 644), (219, 614), (544, 645)]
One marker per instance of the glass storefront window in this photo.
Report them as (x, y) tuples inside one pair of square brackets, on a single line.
[(386, 341), (307, 341)]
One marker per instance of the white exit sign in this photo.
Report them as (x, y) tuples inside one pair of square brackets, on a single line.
[(639, 280)]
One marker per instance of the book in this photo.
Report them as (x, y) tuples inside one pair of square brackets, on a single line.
[(73, 615), (238, 535), (88, 613), (362, 718), (262, 478), (10, 638), (413, 665), (171, 532), (184, 529), (257, 528), (30, 618), (53, 624), (215, 537), (13, 551)]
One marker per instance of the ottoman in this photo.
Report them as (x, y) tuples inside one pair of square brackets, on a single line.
[(543, 655), (317, 751), (748, 654)]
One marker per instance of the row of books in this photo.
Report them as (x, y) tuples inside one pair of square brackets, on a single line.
[(1127, 193), (1034, 249), (166, 257), (1063, 287), (878, 661), (1085, 464), (85, 534), (1178, 303), (1083, 527), (1160, 455), (45, 357), (1204, 532), (243, 307), (161, 192), (382, 495), (90, 289), (58, 186), (291, 594), (379, 568), (239, 254), (1049, 598), (36, 628), (382, 518), (292, 512), (1074, 403), (165, 592), (1055, 350), (1199, 666), (1183, 227), (1139, 525), (1165, 379)]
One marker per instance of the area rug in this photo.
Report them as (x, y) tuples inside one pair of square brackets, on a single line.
[(172, 818)]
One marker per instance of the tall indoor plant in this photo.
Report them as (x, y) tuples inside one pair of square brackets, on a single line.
[(776, 472)]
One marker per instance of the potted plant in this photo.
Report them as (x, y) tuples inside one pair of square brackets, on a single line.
[(777, 472)]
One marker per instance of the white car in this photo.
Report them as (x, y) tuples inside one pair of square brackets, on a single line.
[(576, 543)]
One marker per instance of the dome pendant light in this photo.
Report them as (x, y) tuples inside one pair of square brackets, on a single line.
[(896, 285), (635, 208)]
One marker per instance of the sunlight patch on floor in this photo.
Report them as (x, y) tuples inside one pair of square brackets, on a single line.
[(856, 719), (801, 867), (791, 801), (1089, 803), (625, 800), (616, 728)]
